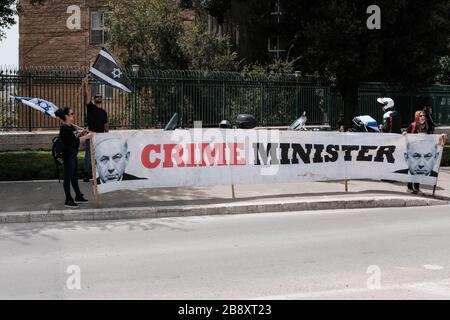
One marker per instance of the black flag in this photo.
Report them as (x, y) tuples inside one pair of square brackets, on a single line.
[(107, 71)]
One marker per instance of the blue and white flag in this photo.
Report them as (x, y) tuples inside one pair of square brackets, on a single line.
[(39, 104), (107, 71)]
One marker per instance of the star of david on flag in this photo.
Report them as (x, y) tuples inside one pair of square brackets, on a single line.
[(107, 71), (39, 104)]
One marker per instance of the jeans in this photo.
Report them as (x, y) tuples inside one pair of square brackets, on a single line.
[(87, 160), (71, 173)]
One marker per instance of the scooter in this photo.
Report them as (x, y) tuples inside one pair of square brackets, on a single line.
[(365, 124)]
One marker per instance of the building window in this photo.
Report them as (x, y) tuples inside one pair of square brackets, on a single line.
[(105, 91), (99, 35)]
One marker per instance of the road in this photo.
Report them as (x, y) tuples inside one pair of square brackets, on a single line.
[(401, 253)]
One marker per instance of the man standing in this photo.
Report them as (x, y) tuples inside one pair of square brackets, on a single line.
[(391, 118), (96, 121)]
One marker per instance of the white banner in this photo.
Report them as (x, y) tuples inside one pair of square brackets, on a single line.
[(201, 157)]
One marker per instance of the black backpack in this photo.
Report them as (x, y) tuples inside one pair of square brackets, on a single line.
[(58, 154)]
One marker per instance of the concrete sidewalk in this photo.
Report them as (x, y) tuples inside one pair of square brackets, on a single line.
[(44, 200)]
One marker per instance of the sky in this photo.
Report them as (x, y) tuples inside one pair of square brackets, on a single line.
[(9, 47)]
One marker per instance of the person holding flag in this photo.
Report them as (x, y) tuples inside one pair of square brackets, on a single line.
[(71, 139), (96, 121), (107, 71)]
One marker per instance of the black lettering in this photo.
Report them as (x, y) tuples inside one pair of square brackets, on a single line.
[(299, 151), (318, 154), (285, 153), (332, 151), (348, 152), (387, 151), (362, 154), (264, 153)]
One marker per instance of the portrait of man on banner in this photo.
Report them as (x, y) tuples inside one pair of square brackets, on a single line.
[(112, 157), (421, 157)]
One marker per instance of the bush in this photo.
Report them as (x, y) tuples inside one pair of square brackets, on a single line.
[(32, 165)]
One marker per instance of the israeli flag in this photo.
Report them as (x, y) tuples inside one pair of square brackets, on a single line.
[(39, 104), (107, 71)]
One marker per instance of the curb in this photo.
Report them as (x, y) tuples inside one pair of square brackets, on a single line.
[(214, 209)]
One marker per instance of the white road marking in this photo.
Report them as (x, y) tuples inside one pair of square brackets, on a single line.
[(433, 267), (437, 288)]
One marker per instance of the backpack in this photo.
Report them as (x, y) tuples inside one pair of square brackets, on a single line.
[(58, 154)]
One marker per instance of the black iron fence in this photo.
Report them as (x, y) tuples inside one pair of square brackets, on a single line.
[(276, 100)]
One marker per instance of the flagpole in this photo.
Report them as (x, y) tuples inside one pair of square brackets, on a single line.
[(442, 140), (94, 175)]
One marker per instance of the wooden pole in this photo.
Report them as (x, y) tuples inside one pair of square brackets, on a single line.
[(94, 175), (232, 191), (442, 141), (346, 185)]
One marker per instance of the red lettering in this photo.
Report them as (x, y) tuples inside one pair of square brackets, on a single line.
[(170, 155), (191, 155), (146, 153), (234, 150), (212, 153)]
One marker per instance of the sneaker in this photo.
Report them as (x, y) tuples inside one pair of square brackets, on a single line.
[(81, 199), (71, 204), (409, 190)]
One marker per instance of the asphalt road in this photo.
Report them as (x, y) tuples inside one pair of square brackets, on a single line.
[(368, 254)]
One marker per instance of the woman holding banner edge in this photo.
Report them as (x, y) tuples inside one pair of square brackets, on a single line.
[(419, 125), (71, 139)]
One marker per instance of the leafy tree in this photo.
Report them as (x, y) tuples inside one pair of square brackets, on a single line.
[(151, 33), (207, 51), (8, 10), (444, 70), (147, 32), (333, 38)]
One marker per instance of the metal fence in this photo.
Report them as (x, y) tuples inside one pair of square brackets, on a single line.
[(276, 100)]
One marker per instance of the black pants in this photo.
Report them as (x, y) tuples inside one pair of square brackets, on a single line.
[(415, 186), (71, 173)]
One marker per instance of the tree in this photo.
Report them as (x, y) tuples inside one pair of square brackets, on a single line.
[(332, 37), (8, 10), (444, 70), (207, 51), (147, 32), (151, 33)]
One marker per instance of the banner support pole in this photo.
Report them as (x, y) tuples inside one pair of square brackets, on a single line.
[(346, 185), (442, 141), (94, 175), (232, 192)]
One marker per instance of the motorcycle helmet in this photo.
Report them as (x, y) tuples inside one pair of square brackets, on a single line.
[(225, 124), (387, 103)]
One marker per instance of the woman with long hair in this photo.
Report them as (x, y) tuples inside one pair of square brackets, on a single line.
[(71, 139), (419, 125)]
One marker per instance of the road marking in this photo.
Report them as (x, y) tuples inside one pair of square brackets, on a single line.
[(438, 288), (433, 267)]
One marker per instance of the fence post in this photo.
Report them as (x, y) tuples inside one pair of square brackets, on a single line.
[(29, 82), (135, 93), (223, 98)]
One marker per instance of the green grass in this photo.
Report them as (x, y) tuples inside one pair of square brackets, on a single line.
[(31, 165), (39, 165)]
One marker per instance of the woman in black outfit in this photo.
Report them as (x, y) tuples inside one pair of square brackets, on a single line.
[(71, 139)]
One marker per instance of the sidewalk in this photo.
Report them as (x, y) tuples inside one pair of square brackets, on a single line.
[(43, 201)]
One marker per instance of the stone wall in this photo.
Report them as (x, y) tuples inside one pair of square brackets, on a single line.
[(18, 141)]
